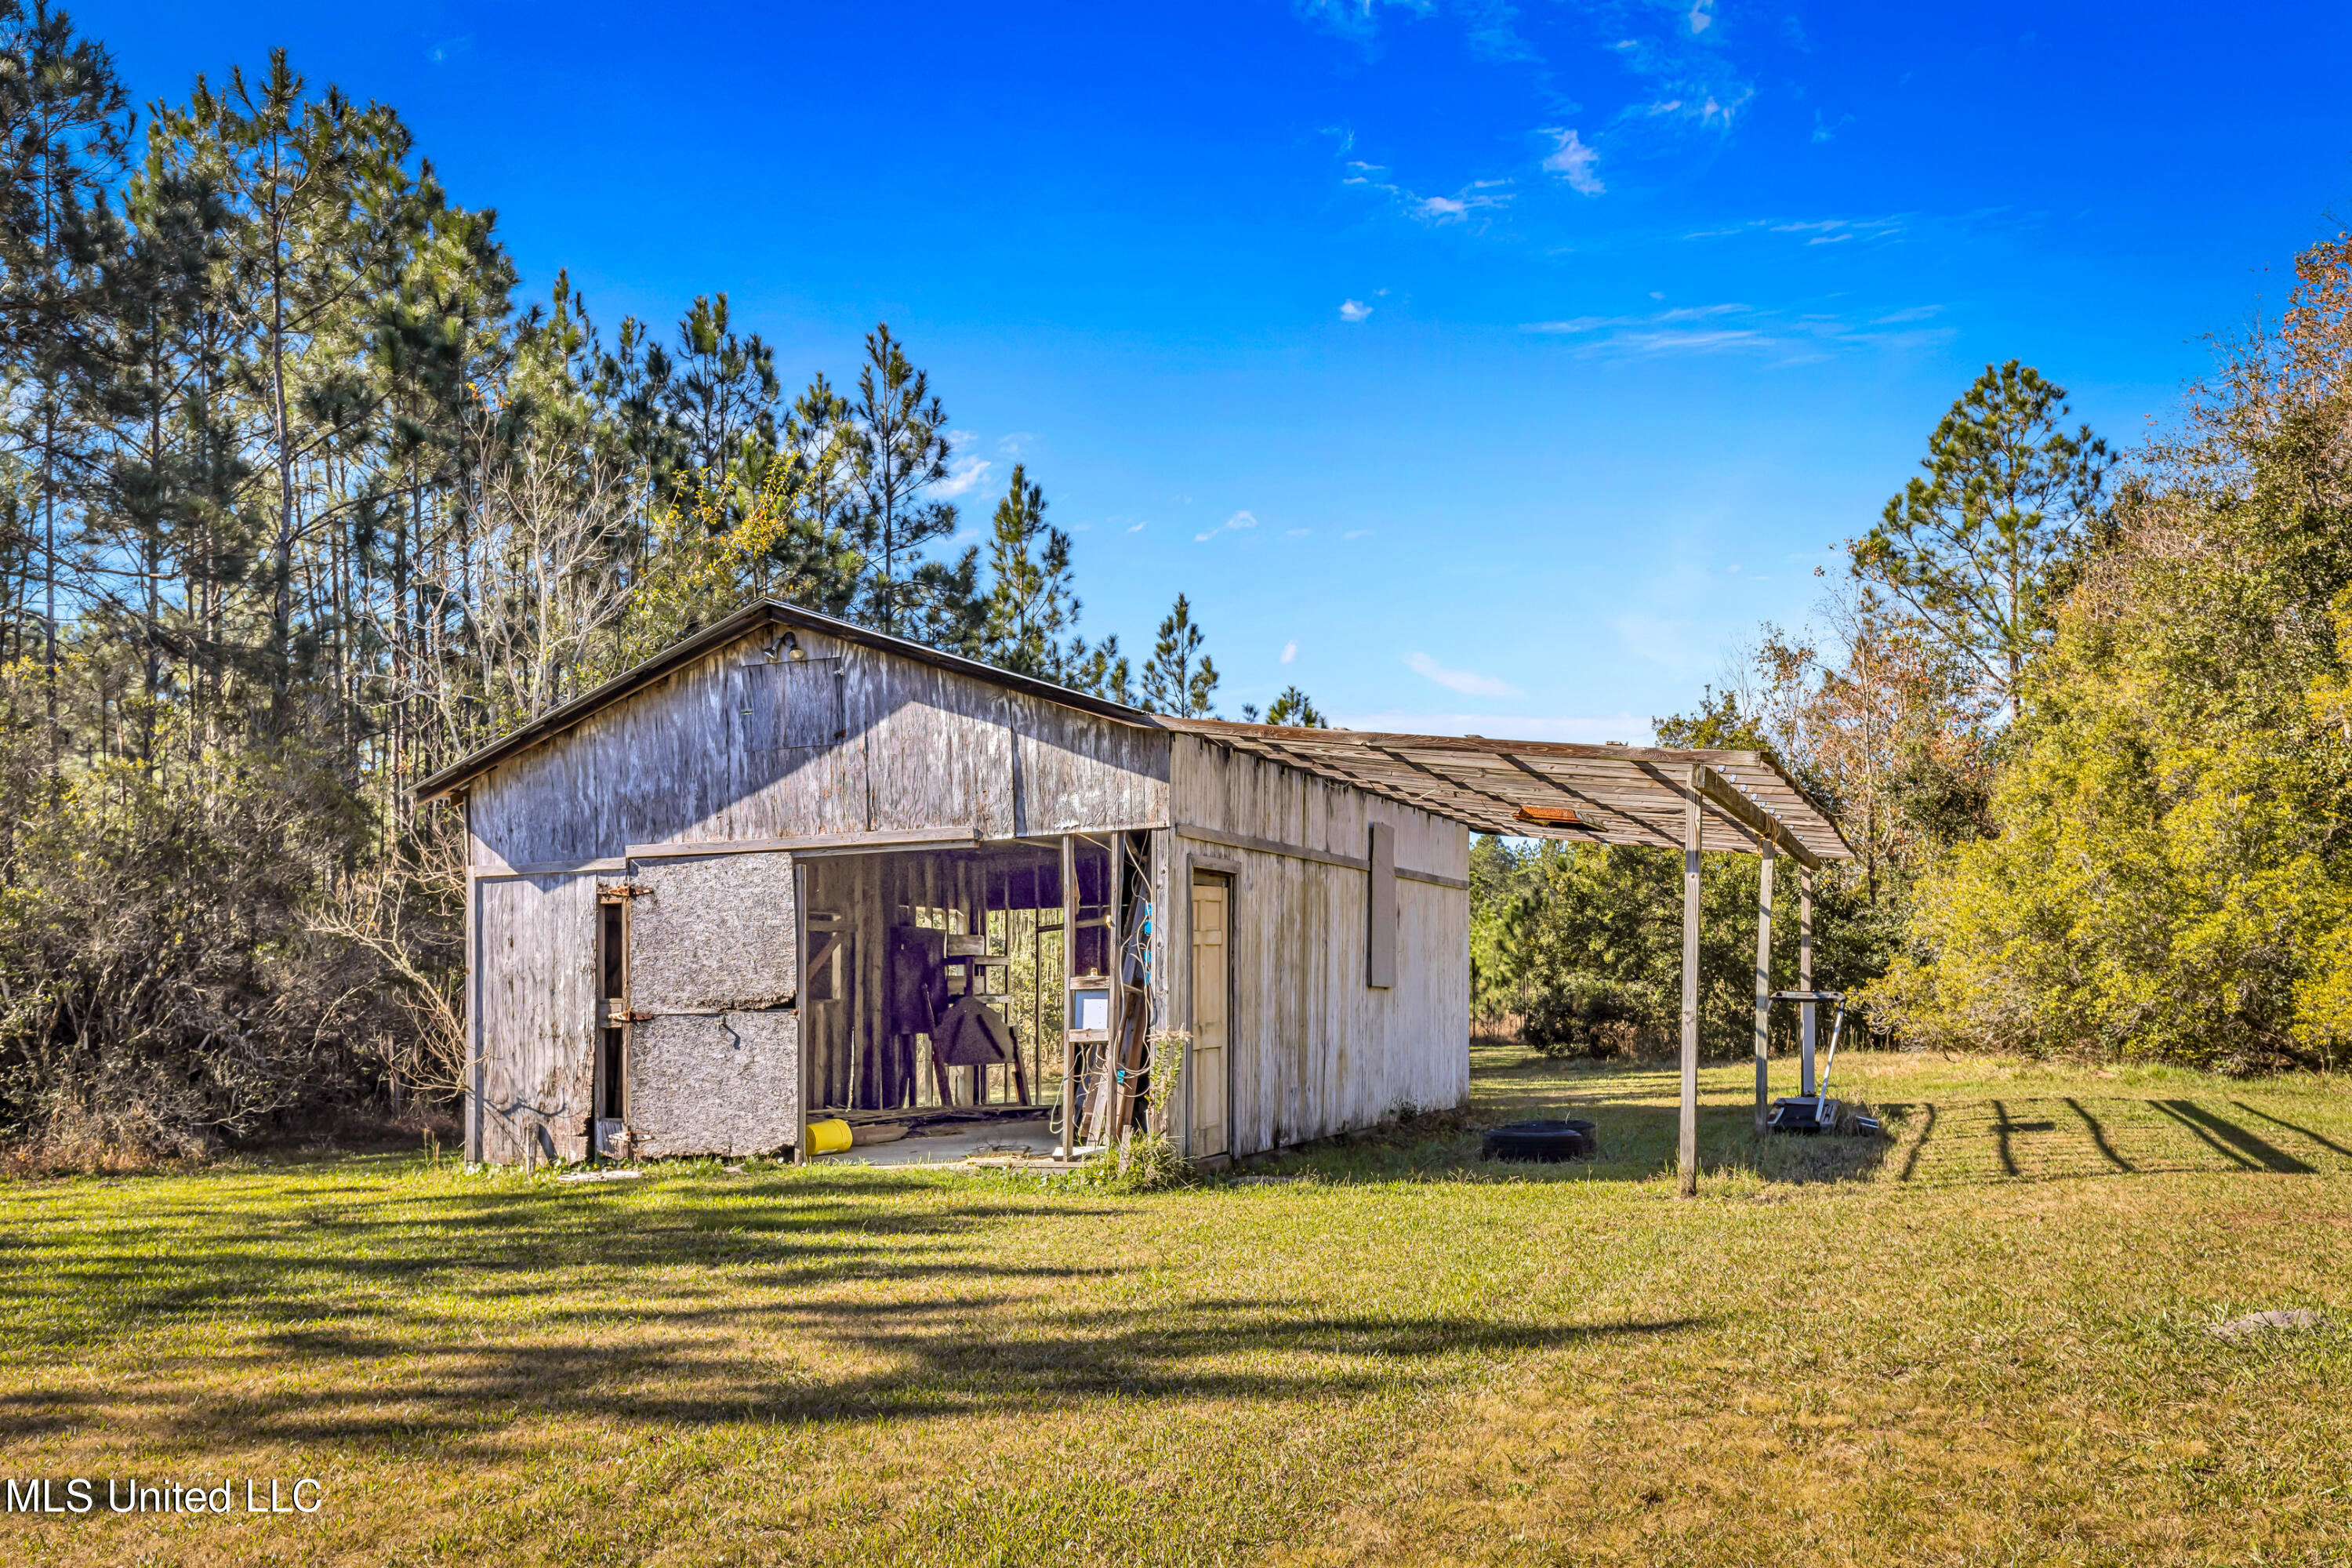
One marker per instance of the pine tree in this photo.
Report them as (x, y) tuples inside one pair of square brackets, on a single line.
[(1101, 671), (1970, 548), (315, 183), (1173, 681), (722, 396), (1292, 708), (1030, 605), (64, 131), (898, 449)]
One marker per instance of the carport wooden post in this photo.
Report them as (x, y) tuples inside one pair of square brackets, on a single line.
[(1687, 1146), (1070, 1148), (1805, 975), (1763, 979)]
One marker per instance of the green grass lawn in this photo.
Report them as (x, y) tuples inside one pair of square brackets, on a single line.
[(1985, 1340)]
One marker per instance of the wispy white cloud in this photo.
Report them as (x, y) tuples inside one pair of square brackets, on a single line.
[(964, 475), (965, 472), (1479, 196), (1574, 161), (1355, 533), (1354, 311), (1734, 328), (1289, 652), (1296, 533), (1236, 524), (1467, 683), (1489, 27), (1138, 527)]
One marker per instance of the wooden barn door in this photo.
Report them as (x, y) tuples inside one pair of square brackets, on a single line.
[(1212, 1001), (714, 1043)]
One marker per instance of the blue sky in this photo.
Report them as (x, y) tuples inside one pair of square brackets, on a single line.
[(1475, 367)]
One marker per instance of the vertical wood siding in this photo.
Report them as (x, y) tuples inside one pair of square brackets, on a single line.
[(682, 763), (537, 943), (1314, 1049)]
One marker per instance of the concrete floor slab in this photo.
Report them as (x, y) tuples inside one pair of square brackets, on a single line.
[(993, 1137)]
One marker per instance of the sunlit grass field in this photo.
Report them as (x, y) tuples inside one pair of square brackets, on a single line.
[(1984, 1339)]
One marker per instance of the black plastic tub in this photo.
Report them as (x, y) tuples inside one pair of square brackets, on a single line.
[(1544, 1142)]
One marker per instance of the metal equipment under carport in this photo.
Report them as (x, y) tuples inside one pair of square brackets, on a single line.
[(1811, 1109)]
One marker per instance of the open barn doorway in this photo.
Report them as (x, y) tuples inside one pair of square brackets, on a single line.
[(950, 991)]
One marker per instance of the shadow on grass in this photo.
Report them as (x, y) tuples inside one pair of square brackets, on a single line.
[(1949, 1141), (1637, 1144), (2070, 1137), (347, 1312)]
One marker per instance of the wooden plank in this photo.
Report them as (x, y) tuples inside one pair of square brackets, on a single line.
[(907, 838), (535, 975), (550, 868), (1763, 985), (1805, 979), (1762, 824), (800, 965), (1198, 834), (473, 994), (1686, 1140), (1070, 1143)]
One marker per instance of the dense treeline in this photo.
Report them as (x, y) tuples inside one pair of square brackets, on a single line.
[(2167, 873), (2086, 722), (299, 502)]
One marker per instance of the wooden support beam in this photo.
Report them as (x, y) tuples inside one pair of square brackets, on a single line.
[(1686, 1142), (1766, 828), (801, 963), (1763, 985), (1069, 972), (1805, 977)]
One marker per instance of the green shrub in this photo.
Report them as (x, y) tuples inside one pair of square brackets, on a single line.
[(1586, 1014)]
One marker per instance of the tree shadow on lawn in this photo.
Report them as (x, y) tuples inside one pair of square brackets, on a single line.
[(1946, 1142), (397, 1320), (361, 1244), (1637, 1143), (2048, 1138)]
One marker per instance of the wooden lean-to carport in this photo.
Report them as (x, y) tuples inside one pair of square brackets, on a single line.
[(1658, 796)]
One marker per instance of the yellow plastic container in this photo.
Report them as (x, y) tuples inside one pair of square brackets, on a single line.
[(829, 1137)]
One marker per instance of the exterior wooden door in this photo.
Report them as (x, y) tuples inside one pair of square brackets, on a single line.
[(1212, 1001)]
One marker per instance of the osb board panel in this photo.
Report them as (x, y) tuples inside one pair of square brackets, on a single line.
[(536, 938), (1313, 1050), (923, 748), (1212, 786), (723, 1085), (712, 932)]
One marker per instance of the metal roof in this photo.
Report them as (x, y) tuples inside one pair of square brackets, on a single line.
[(1536, 789)]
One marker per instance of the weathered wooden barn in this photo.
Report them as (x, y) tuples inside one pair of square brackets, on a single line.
[(793, 869)]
